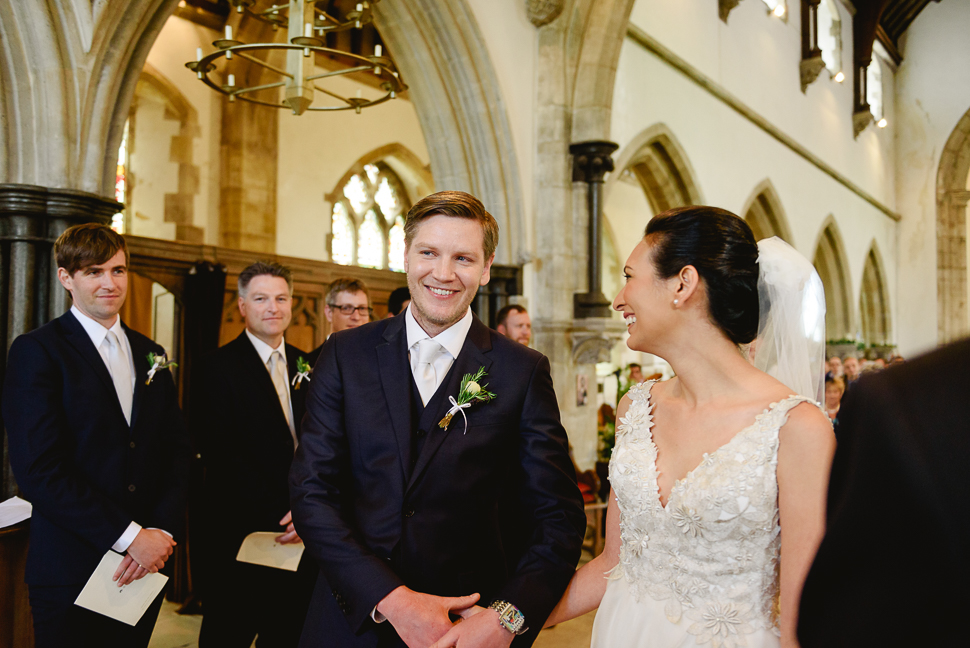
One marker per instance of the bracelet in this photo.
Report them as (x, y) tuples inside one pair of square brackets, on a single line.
[(510, 617)]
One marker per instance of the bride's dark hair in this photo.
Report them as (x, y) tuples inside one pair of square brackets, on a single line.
[(722, 248)]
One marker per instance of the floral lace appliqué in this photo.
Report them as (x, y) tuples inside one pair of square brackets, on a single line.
[(712, 553)]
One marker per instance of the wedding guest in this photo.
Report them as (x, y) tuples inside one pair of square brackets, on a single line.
[(247, 411), (835, 366), (893, 566), (853, 369), (398, 300), (347, 306), (513, 322), (636, 373), (879, 363), (834, 389), (97, 445)]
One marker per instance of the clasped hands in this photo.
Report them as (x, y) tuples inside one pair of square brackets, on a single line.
[(422, 621), (146, 554)]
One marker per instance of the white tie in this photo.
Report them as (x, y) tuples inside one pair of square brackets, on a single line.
[(277, 369), (425, 375), (120, 372)]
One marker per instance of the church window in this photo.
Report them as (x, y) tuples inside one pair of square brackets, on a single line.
[(874, 93), (368, 219), (342, 243), (830, 38), (121, 182)]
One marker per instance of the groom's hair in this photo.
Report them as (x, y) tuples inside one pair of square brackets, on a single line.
[(453, 203)]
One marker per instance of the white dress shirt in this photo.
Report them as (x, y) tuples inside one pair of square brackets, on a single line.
[(97, 332), (265, 352), (452, 339)]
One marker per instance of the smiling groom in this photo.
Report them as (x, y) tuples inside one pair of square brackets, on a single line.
[(412, 520)]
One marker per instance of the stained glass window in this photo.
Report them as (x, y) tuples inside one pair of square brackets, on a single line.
[(370, 242), (874, 87), (372, 203), (342, 243), (395, 248), (830, 36), (121, 182)]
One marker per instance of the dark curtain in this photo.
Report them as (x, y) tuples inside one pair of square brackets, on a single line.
[(205, 288)]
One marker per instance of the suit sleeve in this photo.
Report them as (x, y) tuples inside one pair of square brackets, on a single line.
[(550, 498), (170, 510), (320, 481), (37, 434)]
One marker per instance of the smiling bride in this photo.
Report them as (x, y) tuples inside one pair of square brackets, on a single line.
[(719, 474)]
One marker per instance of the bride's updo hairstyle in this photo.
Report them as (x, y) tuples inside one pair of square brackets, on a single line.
[(722, 248)]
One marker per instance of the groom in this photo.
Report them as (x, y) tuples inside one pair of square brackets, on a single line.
[(411, 522)]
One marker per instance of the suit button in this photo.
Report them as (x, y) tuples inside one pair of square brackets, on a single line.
[(131, 488), (421, 433), (131, 445), (408, 513)]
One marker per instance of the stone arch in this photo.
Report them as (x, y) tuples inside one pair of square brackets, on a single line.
[(179, 206), (764, 214), (443, 58), (874, 301), (661, 167), (952, 195), (416, 176), (831, 263)]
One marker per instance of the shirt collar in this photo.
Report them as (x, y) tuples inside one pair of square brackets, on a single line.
[(452, 338), (95, 330), (264, 350)]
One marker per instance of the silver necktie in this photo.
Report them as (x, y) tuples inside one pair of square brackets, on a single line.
[(277, 369), (120, 371)]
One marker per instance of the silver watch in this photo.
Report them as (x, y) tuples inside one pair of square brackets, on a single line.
[(510, 617)]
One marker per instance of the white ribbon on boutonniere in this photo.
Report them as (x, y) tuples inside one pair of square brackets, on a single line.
[(470, 392), (303, 371), (157, 363)]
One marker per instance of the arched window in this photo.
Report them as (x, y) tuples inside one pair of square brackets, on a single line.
[(121, 181), (830, 38), (368, 219)]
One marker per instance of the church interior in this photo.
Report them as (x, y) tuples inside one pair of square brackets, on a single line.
[(213, 133)]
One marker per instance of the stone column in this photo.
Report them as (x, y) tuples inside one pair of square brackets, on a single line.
[(31, 219)]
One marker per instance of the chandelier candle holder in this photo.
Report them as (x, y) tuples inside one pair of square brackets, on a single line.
[(306, 26)]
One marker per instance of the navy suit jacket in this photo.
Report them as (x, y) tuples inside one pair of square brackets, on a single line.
[(493, 510), (246, 445), (86, 472)]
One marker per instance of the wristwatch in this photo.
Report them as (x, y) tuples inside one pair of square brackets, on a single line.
[(510, 617)]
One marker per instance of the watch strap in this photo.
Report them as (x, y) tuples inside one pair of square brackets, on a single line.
[(510, 617)]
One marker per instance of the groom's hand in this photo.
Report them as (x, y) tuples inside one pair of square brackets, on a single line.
[(421, 619), (481, 629)]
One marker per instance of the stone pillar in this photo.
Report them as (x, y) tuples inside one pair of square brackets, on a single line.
[(31, 219)]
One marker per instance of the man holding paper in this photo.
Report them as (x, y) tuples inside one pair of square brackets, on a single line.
[(433, 472), (247, 406), (97, 445)]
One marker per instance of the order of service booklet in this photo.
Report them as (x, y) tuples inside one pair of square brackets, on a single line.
[(126, 603), (261, 548)]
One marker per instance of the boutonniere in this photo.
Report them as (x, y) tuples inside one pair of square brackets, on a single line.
[(471, 392), (303, 371), (158, 362)]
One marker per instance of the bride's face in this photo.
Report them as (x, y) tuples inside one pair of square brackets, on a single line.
[(646, 301)]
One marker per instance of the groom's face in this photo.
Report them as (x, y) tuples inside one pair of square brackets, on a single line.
[(445, 264)]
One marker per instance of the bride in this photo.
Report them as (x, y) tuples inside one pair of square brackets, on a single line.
[(719, 474)]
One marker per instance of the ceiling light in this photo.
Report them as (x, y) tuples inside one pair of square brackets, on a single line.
[(840, 77)]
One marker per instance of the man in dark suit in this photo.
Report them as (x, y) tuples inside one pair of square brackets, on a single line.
[(894, 565), (248, 402), (346, 306), (100, 452), (411, 519)]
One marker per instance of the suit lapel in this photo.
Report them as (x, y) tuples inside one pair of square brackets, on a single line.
[(79, 339), (251, 366), (469, 360), (297, 396), (395, 372), (139, 355)]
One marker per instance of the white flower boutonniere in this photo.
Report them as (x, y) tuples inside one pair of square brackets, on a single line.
[(158, 362), (303, 371), (470, 392)]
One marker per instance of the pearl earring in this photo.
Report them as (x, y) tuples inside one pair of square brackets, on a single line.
[(676, 301)]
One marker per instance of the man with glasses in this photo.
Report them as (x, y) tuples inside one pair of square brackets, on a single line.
[(347, 307)]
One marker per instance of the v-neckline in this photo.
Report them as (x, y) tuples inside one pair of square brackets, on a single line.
[(706, 456)]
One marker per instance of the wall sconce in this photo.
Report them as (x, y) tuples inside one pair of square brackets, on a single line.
[(882, 123), (840, 77)]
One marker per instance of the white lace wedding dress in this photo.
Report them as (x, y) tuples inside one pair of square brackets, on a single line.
[(704, 569)]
